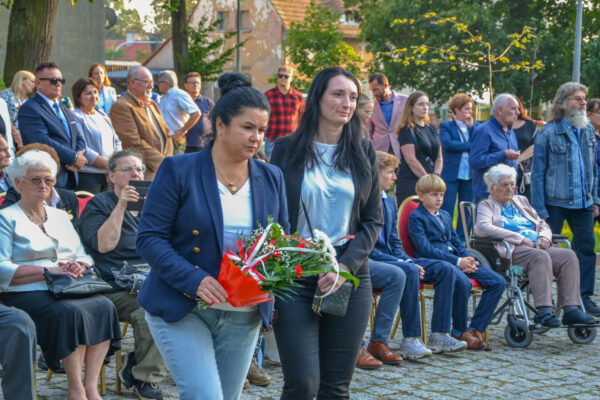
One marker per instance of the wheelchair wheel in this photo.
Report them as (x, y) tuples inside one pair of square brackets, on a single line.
[(582, 334), (521, 338), (480, 258)]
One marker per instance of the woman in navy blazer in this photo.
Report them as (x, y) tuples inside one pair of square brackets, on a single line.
[(332, 184), (197, 206), (455, 137)]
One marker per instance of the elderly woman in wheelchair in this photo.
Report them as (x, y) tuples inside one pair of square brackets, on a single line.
[(510, 217)]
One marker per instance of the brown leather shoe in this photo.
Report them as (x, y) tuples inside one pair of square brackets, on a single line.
[(481, 336), (366, 360), (473, 342), (382, 352)]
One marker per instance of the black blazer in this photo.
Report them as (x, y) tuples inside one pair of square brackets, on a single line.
[(68, 202), (367, 217)]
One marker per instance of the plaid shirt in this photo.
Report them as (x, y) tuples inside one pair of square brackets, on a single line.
[(286, 111)]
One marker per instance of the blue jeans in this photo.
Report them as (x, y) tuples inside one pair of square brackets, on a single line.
[(465, 193), (390, 278), (208, 352), (494, 285), (581, 223)]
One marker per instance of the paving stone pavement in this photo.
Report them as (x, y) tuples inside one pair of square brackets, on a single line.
[(552, 367)]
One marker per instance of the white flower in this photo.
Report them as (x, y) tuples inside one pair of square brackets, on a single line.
[(321, 236)]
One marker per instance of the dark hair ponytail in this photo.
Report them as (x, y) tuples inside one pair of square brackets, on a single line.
[(236, 94)]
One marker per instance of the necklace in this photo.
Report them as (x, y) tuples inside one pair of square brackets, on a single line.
[(231, 186), (41, 224), (330, 168)]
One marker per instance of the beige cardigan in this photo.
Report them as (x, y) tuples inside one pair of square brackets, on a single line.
[(488, 222)]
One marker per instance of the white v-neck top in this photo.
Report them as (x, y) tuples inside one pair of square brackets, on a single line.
[(237, 215)]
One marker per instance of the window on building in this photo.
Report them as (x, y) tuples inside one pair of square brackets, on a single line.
[(246, 22), (350, 17), (223, 18)]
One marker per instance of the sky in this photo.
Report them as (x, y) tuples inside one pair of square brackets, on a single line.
[(142, 6)]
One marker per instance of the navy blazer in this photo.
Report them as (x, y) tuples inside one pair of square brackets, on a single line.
[(430, 241), (389, 246), (181, 230), (39, 123), (366, 219), (453, 147)]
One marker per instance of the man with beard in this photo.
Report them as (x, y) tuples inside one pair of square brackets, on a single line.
[(565, 179)]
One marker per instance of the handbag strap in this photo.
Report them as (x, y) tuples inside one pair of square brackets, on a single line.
[(312, 233)]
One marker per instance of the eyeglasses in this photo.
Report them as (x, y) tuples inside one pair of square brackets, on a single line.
[(128, 169), (37, 181), (506, 185), (145, 81), (578, 99), (282, 76), (54, 81)]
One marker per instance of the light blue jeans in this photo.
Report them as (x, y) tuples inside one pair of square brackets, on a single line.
[(208, 352)]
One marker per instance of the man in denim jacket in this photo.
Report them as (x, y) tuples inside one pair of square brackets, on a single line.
[(565, 179)]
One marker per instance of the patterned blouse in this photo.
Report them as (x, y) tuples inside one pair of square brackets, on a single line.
[(13, 105)]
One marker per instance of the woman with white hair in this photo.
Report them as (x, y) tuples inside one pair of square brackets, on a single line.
[(34, 238), (512, 218)]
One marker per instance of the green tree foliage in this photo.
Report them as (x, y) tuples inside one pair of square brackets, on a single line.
[(206, 54), (549, 44), (127, 21), (161, 21), (317, 42), (111, 54)]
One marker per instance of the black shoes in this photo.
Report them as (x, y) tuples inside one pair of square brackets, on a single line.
[(144, 390), (576, 316), (592, 308), (547, 319)]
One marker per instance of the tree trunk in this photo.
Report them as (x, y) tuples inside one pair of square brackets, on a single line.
[(29, 35), (180, 42)]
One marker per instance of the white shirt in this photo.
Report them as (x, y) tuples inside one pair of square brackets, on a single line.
[(176, 106), (237, 223), (328, 195)]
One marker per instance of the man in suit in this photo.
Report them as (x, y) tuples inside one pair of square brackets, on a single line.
[(43, 119), (397, 276), (386, 114), (433, 236), (139, 123), (455, 137)]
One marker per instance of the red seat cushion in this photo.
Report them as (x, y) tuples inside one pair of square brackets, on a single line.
[(405, 211)]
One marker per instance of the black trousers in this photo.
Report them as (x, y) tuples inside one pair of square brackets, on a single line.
[(318, 354)]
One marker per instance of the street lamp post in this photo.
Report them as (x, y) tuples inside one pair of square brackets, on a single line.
[(577, 53)]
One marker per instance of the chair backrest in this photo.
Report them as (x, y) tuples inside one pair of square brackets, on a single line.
[(82, 198), (407, 206), (467, 208)]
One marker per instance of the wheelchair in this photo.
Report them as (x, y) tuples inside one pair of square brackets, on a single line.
[(520, 327)]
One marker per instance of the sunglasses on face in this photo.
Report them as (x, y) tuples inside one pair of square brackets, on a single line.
[(282, 76), (54, 81), (38, 181), (128, 169)]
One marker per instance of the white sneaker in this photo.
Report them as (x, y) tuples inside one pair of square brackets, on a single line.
[(443, 342), (412, 348)]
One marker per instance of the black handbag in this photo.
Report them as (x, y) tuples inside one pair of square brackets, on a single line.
[(335, 303), (64, 286)]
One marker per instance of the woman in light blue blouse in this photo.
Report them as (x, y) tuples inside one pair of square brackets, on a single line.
[(512, 218), (107, 94), (100, 137)]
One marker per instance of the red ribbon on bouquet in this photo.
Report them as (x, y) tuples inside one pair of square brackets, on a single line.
[(243, 290)]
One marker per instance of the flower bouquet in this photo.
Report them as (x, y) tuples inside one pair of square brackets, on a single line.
[(270, 262)]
